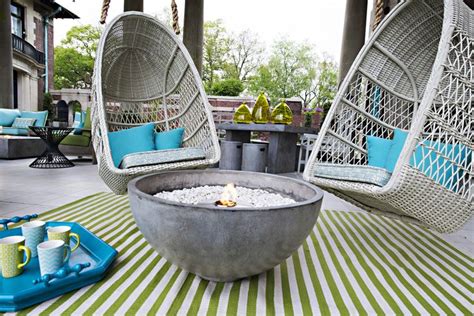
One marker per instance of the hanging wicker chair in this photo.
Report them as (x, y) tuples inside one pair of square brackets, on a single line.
[(415, 74), (143, 73)]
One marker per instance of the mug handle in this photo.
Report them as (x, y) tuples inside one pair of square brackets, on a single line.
[(28, 256), (78, 241), (68, 253)]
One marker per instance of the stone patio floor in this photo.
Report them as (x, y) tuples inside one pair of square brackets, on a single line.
[(24, 190)]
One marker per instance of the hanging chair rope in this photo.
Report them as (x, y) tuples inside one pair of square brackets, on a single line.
[(105, 10), (379, 14), (174, 11)]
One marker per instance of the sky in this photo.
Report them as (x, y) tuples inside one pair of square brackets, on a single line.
[(316, 22)]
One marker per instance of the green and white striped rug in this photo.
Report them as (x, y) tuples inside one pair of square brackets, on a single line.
[(352, 263)]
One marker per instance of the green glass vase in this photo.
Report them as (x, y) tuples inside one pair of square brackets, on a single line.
[(261, 110), (282, 114), (242, 114)]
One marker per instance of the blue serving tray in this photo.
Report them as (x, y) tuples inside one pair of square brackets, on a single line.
[(19, 292)]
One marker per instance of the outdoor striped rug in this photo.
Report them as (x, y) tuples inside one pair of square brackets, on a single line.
[(352, 263)]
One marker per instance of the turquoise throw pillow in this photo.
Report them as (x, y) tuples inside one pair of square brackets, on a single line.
[(7, 116), (132, 140), (398, 141), (169, 139), (40, 117), (377, 151)]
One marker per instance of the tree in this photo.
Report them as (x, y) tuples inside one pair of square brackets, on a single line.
[(289, 73), (245, 55), (325, 88), (216, 47), (74, 57)]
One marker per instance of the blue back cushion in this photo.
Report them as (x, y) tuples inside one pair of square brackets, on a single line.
[(434, 165), (7, 116), (377, 151), (132, 140), (40, 117), (398, 141), (169, 139)]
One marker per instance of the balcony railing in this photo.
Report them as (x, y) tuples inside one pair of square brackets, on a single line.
[(26, 48)]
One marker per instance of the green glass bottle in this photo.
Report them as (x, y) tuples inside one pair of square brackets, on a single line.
[(242, 114), (282, 114), (261, 110)]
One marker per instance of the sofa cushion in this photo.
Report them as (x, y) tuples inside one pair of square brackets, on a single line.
[(377, 151), (132, 140), (355, 173), (21, 122), (169, 139), (87, 123), (14, 131), (157, 157), (7, 116), (40, 117), (76, 140)]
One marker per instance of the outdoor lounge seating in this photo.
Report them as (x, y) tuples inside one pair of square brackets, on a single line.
[(410, 87), (78, 143), (16, 122), (160, 85)]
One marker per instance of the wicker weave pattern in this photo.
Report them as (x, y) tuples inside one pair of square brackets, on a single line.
[(415, 73), (144, 74)]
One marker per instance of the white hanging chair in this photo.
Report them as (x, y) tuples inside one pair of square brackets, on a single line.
[(143, 73), (415, 74)]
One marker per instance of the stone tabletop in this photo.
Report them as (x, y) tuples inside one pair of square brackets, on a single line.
[(278, 128)]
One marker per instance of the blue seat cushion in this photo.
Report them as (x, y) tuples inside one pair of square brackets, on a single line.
[(40, 117), (7, 116), (377, 151), (132, 140), (14, 131), (169, 139), (353, 173), (157, 157)]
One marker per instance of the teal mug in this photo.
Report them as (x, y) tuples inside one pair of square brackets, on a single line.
[(34, 233), (52, 254)]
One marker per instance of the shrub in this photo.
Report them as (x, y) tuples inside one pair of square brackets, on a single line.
[(228, 87)]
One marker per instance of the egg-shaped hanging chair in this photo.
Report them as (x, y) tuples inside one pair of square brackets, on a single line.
[(398, 139), (144, 74)]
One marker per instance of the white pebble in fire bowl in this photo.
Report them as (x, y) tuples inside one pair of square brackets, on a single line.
[(209, 194)]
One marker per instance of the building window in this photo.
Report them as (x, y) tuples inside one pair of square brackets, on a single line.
[(18, 20)]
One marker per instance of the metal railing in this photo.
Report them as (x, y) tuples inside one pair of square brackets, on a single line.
[(26, 48)]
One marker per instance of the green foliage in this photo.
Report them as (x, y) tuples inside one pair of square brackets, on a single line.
[(216, 47), (326, 85), (76, 106), (227, 87), (289, 72), (48, 105), (228, 55), (74, 57)]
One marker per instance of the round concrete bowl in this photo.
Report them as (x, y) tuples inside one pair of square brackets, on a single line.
[(223, 244)]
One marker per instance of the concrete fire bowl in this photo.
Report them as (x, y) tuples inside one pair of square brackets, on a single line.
[(223, 244)]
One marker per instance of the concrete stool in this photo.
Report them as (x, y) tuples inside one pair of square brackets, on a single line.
[(231, 155), (254, 157)]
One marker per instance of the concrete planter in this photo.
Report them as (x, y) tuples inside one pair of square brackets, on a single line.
[(223, 244)]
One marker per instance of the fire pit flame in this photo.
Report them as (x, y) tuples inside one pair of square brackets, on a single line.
[(228, 197)]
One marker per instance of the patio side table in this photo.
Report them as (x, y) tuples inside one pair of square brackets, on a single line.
[(52, 157), (282, 143)]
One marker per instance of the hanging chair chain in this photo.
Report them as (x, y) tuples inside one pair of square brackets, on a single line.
[(174, 11)]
